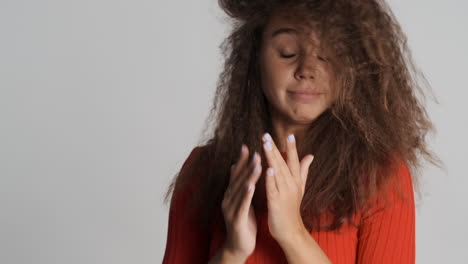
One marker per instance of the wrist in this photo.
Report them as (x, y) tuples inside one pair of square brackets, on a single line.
[(294, 238), (229, 256)]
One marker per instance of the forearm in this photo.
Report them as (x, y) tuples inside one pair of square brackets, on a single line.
[(302, 248), (226, 257)]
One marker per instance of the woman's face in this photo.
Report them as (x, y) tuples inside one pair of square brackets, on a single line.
[(295, 74)]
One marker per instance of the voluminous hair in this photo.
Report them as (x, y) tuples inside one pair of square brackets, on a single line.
[(376, 123)]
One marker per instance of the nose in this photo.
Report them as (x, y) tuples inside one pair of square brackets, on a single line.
[(306, 68)]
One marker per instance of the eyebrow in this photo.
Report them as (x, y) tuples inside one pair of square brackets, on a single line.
[(283, 31)]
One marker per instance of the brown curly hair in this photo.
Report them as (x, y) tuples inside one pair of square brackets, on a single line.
[(376, 121)]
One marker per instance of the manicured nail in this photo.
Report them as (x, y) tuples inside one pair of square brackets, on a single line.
[(242, 149), (291, 138), (267, 137), (254, 157), (257, 168), (271, 171), (268, 145)]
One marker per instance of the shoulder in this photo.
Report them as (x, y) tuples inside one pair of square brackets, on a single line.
[(193, 155), (396, 194), (190, 173), (400, 185), (195, 160), (386, 232)]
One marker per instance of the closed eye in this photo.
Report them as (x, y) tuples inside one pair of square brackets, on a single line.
[(287, 56), (321, 58)]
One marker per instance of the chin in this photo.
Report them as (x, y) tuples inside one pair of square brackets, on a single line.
[(303, 119), (309, 116)]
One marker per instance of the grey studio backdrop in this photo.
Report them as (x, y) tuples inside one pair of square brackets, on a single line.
[(102, 101)]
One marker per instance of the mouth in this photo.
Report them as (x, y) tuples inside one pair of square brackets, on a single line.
[(305, 92), (304, 95)]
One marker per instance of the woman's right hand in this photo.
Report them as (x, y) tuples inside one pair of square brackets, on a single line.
[(238, 212)]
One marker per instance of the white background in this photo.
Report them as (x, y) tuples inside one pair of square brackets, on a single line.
[(101, 102)]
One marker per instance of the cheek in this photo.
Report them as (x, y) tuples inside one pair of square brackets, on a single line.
[(274, 77)]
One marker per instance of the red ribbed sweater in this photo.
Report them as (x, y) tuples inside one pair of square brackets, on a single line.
[(386, 233)]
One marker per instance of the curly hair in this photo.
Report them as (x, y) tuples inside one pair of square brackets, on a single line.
[(376, 121)]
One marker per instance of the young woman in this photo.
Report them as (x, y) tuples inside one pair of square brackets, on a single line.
[(318, 136)]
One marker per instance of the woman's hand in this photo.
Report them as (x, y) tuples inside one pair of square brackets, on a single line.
[(285, 185), (238, 212)]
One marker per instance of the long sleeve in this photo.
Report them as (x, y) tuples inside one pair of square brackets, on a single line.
[(387, 234), (186, 242)]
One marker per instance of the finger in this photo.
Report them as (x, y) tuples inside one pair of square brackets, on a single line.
[(247, 170), (270, 184), (254, 174), (234, 174), (292, 158), (244, 204), (274, 158), (305, 165), (238, 166)]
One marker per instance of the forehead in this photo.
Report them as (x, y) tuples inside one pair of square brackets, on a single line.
[(289, 23)]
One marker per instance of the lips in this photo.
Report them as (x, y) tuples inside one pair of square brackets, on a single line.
[(304, 96), (305, 92)]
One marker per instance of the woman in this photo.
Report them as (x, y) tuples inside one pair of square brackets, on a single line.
[(317, 129)]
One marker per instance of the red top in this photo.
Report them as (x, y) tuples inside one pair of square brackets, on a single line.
[(386, 235)]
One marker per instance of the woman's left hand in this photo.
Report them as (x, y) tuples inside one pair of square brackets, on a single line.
[(285, 189)]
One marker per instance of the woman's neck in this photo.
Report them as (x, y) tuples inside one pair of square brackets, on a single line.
[(282, 129)]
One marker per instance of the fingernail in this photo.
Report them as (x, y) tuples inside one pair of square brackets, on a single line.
[(242, 149), (268, 145), (271, 171), (254, 157), (256, 168), (267, 137), (291, 138), (249, 187)]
